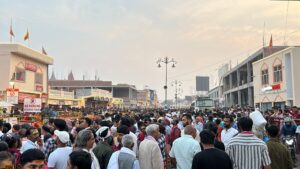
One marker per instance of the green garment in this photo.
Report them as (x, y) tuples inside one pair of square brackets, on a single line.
[(280, 156), (103, 151)]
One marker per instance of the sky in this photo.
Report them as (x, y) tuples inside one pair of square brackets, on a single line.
[(121, 40)]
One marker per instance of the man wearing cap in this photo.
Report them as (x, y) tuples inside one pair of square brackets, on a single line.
[(59, 157), (50, 145), (103, 150)]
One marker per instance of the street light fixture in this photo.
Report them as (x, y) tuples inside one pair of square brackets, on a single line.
[(12, 82), (177, 84), (166, 61)]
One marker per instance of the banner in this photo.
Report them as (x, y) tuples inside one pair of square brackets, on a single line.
[(32, 105), (12, 95)]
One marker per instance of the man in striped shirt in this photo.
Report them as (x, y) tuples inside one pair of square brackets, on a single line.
[(247, 151)]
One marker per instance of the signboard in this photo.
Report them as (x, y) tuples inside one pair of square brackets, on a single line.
[(23, 96), (270, 88), (31, 67), (266, 89), (12, 95), (276, 87), (202, 83), (32, 105), (39, 88), (44, 97)]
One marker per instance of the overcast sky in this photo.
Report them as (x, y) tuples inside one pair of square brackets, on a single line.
[(122, 39)]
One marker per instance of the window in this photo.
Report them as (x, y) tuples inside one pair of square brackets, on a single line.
[(265, 77), (20, 74), (38, 78), (277, 73)]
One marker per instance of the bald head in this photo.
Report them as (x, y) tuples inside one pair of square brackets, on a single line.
[(190, 130)]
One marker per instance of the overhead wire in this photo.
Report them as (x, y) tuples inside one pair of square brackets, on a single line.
[(220, 62)]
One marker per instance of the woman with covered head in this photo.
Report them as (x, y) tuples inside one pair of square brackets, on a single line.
[(103, 150)]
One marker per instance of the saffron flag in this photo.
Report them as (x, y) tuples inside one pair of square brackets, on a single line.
[(26, 36), (270, 45), (44, 51)]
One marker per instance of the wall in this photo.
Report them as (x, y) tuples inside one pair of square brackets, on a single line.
[(4, 68), (29, 84), (296, 75)]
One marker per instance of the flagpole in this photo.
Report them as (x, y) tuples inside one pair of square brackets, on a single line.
[(10, 30), (264, 40), (28, 43)]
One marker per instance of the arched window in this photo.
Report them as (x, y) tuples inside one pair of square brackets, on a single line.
[(39, 76), (277, 71), (264, 74), (19, 74)]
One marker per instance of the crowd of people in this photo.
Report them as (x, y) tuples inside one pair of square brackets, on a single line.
[(154, 139)]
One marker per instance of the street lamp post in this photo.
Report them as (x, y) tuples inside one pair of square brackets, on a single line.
[(166, 61)]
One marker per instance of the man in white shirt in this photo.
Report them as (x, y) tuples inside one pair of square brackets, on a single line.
[(33, 136), (125, 158), (185, 148), (1, 127), (59, 157), (228, 132)]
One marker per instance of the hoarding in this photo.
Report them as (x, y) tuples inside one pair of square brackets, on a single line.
[(32, 105), (12, 95), (202, 83)]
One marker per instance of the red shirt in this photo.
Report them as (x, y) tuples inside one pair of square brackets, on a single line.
[(296, 115), (141, 136)]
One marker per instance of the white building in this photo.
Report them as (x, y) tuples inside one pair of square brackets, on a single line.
[(277, 79), (24, 69)]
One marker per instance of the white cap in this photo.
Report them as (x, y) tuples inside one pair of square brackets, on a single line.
[(63, 136), (103, 132)]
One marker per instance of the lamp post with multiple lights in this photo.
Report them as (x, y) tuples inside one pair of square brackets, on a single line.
[(166, 60)]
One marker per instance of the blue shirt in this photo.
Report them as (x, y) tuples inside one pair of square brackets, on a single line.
[(183, 150), (235, 126), (199, 126)]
